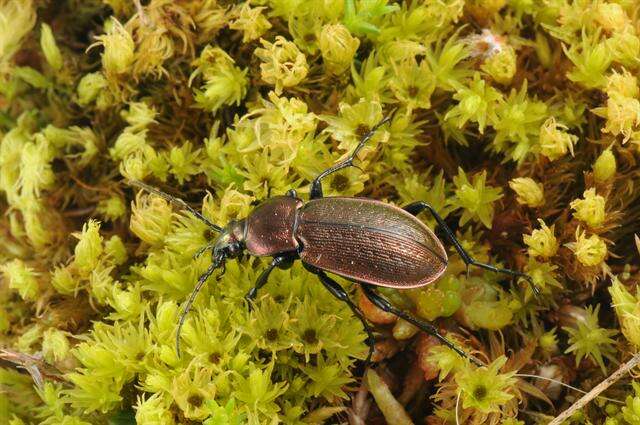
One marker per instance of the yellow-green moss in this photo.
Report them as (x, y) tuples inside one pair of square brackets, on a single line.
[(519, 121)]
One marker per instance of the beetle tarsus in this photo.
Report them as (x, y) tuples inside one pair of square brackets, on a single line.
[(490, 267), (386, 306), (249, 302), (532, 285), (316, 185), (416, 208), (201, 281), (263, 278)]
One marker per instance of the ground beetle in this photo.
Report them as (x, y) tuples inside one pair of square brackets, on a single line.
[(366, 241)]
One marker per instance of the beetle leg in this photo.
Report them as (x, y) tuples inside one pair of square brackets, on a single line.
[(417, 207), (385, 305), (264, 277), (339, 292), (201, 281), (292, 193), (316, 185), (202, 250)]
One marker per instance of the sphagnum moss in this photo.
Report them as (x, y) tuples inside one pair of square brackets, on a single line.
[(518, 121)]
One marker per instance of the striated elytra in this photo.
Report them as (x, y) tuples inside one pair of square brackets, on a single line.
[(364, 240), (360, 239), (369, 241)]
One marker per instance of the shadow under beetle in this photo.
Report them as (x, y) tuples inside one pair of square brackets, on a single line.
[(366, 241)]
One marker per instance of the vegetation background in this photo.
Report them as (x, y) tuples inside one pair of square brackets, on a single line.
[(518, 120)]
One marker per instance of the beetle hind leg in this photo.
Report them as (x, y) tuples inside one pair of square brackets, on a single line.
[(338, 291), (386, 306), (417, 207)]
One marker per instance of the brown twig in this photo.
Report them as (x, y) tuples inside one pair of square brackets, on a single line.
[(34, 365), (580, 403)]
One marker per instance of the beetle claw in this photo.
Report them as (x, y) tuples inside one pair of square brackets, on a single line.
[(249, 301), (534, 287), (370, 341), (371, 344), (476, 362)]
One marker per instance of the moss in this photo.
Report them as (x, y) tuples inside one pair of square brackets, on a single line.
[(519, 121)]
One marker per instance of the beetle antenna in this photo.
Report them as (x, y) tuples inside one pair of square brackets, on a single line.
[(176, 201), (201, 281), (371, 133)]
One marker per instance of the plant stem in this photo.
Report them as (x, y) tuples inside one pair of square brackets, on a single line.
[(580, 403)]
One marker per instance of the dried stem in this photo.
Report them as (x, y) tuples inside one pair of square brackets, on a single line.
[(622, 370)]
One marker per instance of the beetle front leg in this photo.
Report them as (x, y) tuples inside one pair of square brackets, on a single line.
[(338, 291), (316, 185), (417, 207), (203, 249), (280, 261), (385, 305), (183, 316)]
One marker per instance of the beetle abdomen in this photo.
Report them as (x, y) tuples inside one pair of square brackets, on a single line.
[(269, 228), (369, 241)]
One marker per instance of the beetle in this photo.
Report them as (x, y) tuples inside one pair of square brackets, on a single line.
[(369, 242)]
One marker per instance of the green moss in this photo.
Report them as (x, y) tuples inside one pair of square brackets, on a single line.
[(517, 120)]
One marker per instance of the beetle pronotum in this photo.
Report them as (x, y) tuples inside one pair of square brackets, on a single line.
[(366, 241)]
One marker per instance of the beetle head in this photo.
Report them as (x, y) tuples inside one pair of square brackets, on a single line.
[(230, 243)]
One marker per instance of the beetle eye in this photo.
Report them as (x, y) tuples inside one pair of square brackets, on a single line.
[(234, 249)]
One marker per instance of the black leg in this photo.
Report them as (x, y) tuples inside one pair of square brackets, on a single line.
[(201, 281), (281, 261), (316, 185), (385, 305), (292, 193), (339, 292), (203, 249), (417, 207)]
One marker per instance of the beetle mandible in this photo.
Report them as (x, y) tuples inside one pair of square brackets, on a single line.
[(363, 240)]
